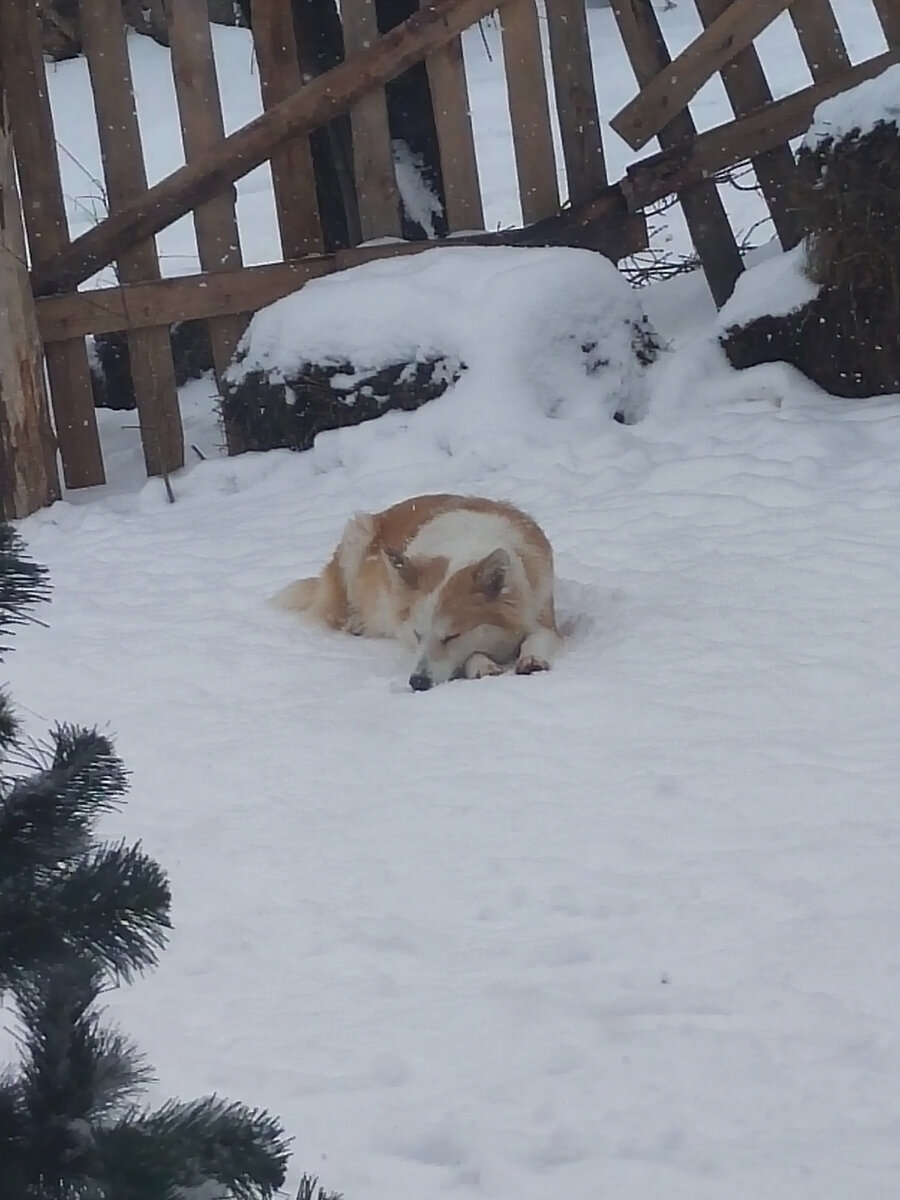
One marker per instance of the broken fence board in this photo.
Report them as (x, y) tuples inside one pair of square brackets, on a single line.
[(700, 201), (675, 84), (317, 103), (714, 150), (747, 89)]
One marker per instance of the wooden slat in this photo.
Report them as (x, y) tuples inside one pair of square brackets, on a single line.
[(601, 223), (450, 101), (293, 178), (889, 15), (820, 38), (28, 478), (747, 89), (576, 98), (200, 111), (373, 156), (215, 222), (149, 350), (529, 111), (676, 83), (317, 103), (701, 203), (702, 156), (68, 371)]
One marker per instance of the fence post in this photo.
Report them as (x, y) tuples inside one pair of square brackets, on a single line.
[(28, 474)]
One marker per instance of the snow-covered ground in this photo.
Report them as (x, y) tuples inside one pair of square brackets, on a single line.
[(627, 929)]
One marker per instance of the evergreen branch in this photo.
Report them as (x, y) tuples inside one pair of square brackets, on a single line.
[(9, 727), (111, 905), (75, 1070), (22, 583), (74, 1075), (46, 817), (154, 1156), (126, 896), (14, 1137)]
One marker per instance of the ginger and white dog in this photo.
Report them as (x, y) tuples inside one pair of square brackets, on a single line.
[(466, 583)]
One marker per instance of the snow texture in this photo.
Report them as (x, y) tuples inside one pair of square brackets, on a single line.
[(774, 287), (858, 110), (626, 929), (420, 203), (540, 331)]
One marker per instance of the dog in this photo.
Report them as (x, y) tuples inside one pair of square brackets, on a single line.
[(466, 583)]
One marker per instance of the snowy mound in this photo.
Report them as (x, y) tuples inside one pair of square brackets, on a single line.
[(858, 110), (527, 335), (773, 288)]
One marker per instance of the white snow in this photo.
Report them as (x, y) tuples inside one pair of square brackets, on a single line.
[(859, 109), (540, 332), (775, 287), (626, 929), (629, 928), (420, 202)]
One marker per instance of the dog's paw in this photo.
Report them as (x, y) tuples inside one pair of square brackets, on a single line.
[(479, 666), (528, 664)]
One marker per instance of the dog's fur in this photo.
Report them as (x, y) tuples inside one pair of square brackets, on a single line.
[(466, 583)]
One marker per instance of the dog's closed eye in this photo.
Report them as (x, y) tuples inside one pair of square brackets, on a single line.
[(450, 638), (417, 635)]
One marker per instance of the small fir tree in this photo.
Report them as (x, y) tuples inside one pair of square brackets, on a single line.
[(77, 916)]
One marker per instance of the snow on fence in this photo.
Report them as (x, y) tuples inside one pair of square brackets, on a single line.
[(297, 102)]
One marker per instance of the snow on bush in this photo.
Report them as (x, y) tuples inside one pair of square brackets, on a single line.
[(532, 338), (775, 287), (858, 110)]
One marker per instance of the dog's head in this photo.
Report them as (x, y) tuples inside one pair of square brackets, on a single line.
[(473, 610)]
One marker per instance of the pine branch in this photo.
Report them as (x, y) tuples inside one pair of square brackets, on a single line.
[(22, 582), (46, 817), (75, 1070), (154, 1156), (74, 1074), (111, 905), (9, 727), (14, 1135)]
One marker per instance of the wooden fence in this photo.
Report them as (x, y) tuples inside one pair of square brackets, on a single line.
[(599, 215)]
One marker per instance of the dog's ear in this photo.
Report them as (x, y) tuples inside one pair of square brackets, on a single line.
[(492, 573), (402, 566)]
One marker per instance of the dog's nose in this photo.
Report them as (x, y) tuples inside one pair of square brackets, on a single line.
[(419, 683)]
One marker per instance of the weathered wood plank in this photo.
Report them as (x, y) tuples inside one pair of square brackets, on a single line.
[(701, 203), (675, 84), (889, 15), (456, 144), (318, 102), (200, 111), (44, 211), (747, 89), (293, 178), (576, 98), (820, 38), (149, 350), (600, 223), (529, 109), (373, 156), (28, 478), (680, 166)]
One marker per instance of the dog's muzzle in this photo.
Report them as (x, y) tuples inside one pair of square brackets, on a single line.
[(419, 682)]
